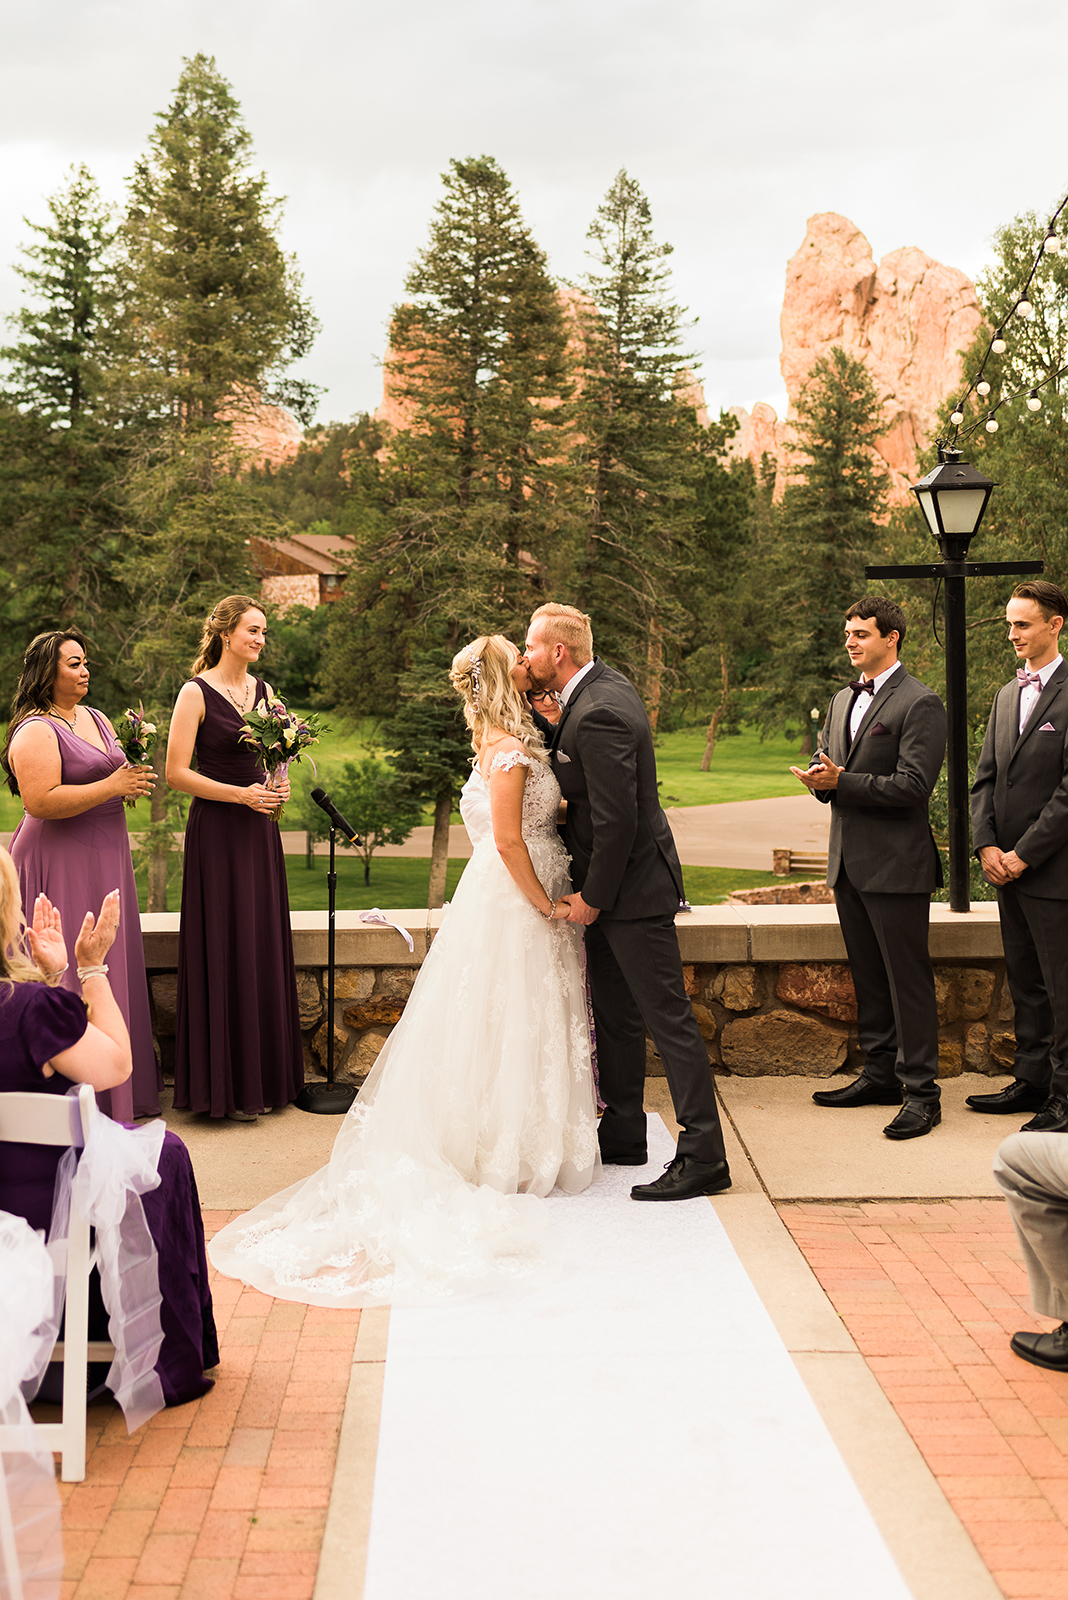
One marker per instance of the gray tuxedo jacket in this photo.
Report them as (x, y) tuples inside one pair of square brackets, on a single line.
[(1020, 793), (879, 824), (623, 856)]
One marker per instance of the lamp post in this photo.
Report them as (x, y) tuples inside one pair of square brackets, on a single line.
[(953, 498)]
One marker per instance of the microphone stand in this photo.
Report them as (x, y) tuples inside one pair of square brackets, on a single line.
[(329, 1098)]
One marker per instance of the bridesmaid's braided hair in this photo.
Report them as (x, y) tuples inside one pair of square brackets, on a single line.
[(482, 675), (33, 697), (224, 618)]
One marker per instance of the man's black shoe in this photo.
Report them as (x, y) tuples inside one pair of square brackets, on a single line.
[(624, 1158), (861, 1092), (684, 1179), (1019, 1096), (1053, 1118), (1043, 1349), (916, 1117)]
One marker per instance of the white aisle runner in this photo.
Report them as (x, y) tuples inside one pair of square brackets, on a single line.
[(634, 1430)]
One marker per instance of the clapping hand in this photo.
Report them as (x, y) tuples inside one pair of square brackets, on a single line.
[(818, 777), (97, 934), (47, 945)]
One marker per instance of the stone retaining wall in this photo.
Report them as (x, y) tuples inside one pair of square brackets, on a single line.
[(770, 989)]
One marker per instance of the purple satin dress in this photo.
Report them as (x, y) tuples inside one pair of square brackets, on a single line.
[(238, 1043), (76, 861), (35, 1024)]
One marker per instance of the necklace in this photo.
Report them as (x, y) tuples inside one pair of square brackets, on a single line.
[(57, 713), (243, 702)]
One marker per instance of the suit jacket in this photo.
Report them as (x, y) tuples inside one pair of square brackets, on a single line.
[(623, 856), (879, 823), (1020, 793)]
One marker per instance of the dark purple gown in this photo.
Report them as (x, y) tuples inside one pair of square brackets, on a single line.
[(238, 1044), (35, 1024), (76, 861)]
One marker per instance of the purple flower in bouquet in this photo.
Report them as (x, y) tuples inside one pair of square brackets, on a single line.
[(279, 737), (136, 737)]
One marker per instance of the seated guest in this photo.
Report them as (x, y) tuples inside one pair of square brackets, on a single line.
[(52, 1039), (1031, 1170)]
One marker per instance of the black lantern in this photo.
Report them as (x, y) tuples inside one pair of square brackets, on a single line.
[(953, 498)]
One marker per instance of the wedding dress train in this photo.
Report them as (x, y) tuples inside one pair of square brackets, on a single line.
[(481, 1100)]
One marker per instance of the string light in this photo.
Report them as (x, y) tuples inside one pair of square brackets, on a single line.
[(982, 388), (1051, 243), (1025, 310), (957, 418), (997, 344), (991, 424), (1033, 402)]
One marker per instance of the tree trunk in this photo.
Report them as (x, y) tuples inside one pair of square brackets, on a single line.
[(309, 850), (157, 861), (808, 744), (720, 712), (439, 853), (654, 673)]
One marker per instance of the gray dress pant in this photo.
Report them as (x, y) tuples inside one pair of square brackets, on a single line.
[(1031, 1169)]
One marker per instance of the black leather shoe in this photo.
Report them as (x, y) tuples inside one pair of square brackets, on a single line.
[(915, 1118), (1019, 1096), (684, 1179), (1053, 1118), (624, 1158), (861, 1092), (1043, 1349)]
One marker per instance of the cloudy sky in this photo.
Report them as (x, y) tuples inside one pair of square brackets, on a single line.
[(925, 126)]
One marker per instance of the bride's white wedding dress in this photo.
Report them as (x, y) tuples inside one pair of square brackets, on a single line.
[(481, 1099)]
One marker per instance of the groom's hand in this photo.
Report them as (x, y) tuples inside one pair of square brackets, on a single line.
[(581, 912)]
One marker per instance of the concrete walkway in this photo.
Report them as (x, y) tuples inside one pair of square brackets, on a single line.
[(740, 834), (889, 1271)]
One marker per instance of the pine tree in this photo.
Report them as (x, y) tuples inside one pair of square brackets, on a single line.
[(643, 445), (60, 452), (829, 525)]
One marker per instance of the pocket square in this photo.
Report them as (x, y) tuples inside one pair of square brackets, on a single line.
[(877, 729), (562, 755), (1047, 727)]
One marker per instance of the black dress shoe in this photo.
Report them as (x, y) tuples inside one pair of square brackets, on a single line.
[(861, 1092), (1019, 1096), (684, 1179), (1053, 1118), (915, 1118), (1043, 1349), (624, 1158)]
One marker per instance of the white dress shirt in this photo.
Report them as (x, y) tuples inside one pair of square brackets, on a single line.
[(862, 702), (1029, 694), (572, 683)]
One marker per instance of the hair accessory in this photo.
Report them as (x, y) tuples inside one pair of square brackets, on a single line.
[(476, 677)]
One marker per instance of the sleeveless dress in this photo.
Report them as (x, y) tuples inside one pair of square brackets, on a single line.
[(238, 1044), (76, 861), (482, 1090)]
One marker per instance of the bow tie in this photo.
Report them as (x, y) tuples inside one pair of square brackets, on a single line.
[(1028, 679), (863, 687)]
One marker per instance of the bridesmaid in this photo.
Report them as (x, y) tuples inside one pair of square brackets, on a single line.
[(238, 1049), (62, 757)]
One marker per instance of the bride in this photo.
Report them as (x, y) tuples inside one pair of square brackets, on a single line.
[(482, 1098)]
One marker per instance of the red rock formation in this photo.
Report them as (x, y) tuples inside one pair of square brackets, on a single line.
[(264, 434)]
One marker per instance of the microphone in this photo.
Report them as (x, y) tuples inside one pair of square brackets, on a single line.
[(323, 800)]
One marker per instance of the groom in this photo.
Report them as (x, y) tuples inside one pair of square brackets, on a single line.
[(628, 886)]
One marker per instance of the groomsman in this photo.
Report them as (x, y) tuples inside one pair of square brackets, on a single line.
[(885, 738), (1020, 833)]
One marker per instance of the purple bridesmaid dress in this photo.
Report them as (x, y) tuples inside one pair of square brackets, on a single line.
[(238, 1043), (76, 861)]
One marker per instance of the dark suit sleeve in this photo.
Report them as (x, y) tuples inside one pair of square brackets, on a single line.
[(824, 795), (984, 828), (609, 763), (921, 747)]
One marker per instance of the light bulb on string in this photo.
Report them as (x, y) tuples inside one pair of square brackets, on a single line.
[(1033, 402), (991, 424), (998, 344), (956, 417), (1051, 243), (982, 387), (1025, 310)]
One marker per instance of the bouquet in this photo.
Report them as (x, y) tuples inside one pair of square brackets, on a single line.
[(135, 739), (279, 737)]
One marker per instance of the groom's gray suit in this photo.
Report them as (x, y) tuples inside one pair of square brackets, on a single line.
[(625, 863)]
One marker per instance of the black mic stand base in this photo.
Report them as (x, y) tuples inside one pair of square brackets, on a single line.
[(329, 1099)]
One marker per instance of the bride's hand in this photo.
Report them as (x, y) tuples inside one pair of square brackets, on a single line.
[(562, 912)]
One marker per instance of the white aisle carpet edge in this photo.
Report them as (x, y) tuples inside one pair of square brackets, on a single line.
[(634, 1425)]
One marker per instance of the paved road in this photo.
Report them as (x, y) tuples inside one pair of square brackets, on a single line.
[(740, 834)]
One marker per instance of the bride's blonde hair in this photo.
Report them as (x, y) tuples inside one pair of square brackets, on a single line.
[(481, 674)]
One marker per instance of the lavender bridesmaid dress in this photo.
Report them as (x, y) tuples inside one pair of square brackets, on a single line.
[(76, 861), (238, 1044)]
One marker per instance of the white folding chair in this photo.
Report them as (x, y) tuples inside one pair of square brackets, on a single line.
[(62, 1120)]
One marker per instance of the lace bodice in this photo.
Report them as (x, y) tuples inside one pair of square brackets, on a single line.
[(541, 799)]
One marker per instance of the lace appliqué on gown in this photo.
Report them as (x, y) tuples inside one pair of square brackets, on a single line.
[(481, 1099)]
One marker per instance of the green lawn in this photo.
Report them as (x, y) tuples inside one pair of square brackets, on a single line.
[(743, 768)]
